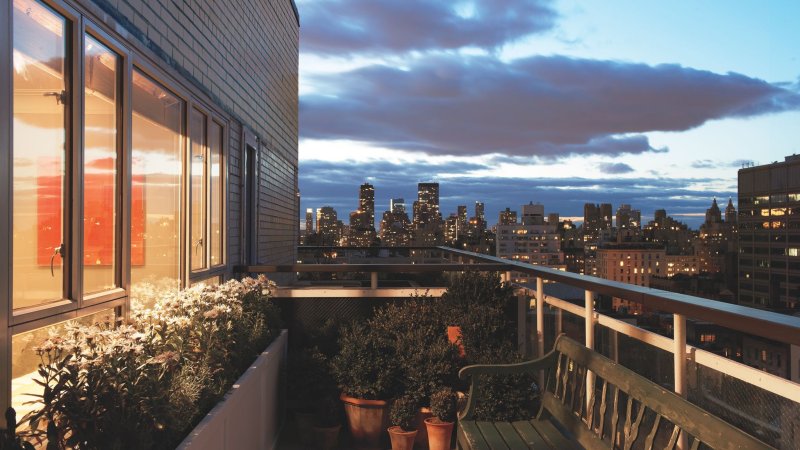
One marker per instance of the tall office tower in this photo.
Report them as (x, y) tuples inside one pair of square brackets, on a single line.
[(769, 256), (327, 226), (533, 214), (596, 218), (366, 204), (480, 216), (629, 224), (507, 217), (462, 220), (309, 221), (397, 206), (426, 208), (451, 228), (553, 219)]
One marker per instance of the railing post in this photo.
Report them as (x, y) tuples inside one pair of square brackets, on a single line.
[(559, 323), (679, 355), (540, 316), (373, 280), (589, 318)]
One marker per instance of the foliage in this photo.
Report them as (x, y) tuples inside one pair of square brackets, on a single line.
[(310, 379), (404, 413), (505, 398), (328, 412), (9, 440), (428, 361), (146, 383), (444, 404), (365, 366)]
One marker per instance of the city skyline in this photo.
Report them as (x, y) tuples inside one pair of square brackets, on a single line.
[(680, 96)]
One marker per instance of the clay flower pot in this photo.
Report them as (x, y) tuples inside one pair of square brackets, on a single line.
[(439, 434), (402, 440), (422, 431), (454, 336), (367, 421)]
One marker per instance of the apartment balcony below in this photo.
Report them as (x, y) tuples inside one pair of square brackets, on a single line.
[(733, 361)]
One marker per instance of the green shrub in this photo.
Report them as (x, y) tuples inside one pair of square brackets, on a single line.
[(404, 413), (505, 397), (310, 379), (365, 366), (328, 412), (443, 405)]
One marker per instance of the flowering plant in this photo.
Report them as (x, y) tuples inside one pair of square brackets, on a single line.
[(145, 383)]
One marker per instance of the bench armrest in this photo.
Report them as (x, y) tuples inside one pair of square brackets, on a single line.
[(472, 372)]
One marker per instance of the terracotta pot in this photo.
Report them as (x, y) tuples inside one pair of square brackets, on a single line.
[(367, 421), (422, 431), (439, 434), (402, 440), (303, 422), (325, 438), (454, 336)]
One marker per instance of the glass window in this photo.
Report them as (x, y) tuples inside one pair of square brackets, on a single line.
[(156, 190), (100, 167), (199, 176), (39, 153), (215, 137)]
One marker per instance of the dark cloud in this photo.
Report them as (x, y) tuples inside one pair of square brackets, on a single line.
[(345, 27), (336, 184), (615, 168), (540, 106)]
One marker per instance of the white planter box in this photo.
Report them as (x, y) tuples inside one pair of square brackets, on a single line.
[(249, 417)]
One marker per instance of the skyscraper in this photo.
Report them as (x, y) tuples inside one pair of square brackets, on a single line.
[(397, 206), (595, 219), (507, 217), (309, 221), (366, 204), (327, 226), (427, 217)]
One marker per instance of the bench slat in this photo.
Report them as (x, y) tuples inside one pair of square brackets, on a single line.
[(469, 436), (510, 435), (572, 424), (553, 436), (491, 435), (529, 434)]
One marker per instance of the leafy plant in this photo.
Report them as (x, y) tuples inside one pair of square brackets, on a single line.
[(404, 413), (146, 383), (444, 404), (365, 366), (310, 379), (505, 398), (9, 440), (328, 412)]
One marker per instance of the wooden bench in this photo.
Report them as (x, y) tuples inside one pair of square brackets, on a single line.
[(623, 410)]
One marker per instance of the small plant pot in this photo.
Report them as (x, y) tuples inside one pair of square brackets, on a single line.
[(439, 434), (422, 431), (325, 438), (367, 421), (402, 440), (454, 336)]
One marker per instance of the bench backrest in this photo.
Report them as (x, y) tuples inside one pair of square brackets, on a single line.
[(625, 410)]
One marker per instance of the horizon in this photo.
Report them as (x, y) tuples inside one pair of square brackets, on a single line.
[(555, 102)]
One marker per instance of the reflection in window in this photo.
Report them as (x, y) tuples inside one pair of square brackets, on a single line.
[(25, 360), (197, 130), (156, 190), (100, 167), (217, 189), (38, 152)]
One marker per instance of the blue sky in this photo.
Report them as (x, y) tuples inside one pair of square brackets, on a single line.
[(655, 104)]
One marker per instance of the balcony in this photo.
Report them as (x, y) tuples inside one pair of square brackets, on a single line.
[(723, 357)]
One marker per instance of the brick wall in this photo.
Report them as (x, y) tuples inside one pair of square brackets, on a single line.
[(243, 56)]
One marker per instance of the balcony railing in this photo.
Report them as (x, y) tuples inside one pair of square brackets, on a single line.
[(763, 404)]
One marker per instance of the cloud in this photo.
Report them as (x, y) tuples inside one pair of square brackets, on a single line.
[(321, 184), (549, 106), (704, 164), (346, 27), (615, 168)]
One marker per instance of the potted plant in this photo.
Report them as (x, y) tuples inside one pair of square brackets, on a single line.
[(403, 417), (327, 423), (308, 386), (8, 437), (367, 372), (440, 426)]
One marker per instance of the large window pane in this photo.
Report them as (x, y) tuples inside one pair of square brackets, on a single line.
[(197, 129), (39, 76), (156, 190), (100, 167), (217, 190)]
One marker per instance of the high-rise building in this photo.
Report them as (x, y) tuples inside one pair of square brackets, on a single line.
[(533, 214), (480, 216), (327, 226), (309, 221), (769, 255), (632, 263), (366, 204), (507, 217), (629, 224), (397, 206), (553, 218), (533, 243), (595, 219), (427, 217), (362, 221), (462, 221), (717, 243)]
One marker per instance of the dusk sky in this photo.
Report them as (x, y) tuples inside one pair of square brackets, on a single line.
[(655, 104)]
